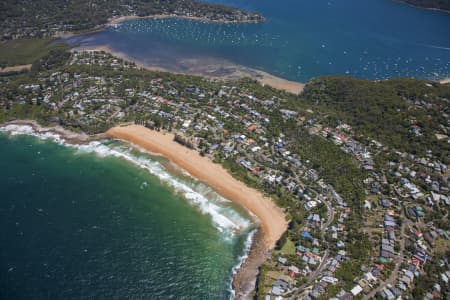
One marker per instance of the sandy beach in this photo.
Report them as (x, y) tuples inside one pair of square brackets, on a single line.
[(270, 217), (211, 68), (215, 69), (280, 83)]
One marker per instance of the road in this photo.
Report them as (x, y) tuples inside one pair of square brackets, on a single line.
[(391, 280), (330, 214), (318, 271), (311, 277)]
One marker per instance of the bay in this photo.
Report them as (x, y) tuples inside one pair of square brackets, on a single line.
[(374, 39)]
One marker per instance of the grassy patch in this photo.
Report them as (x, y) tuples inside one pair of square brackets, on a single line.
[(375, 219), (26, 51), (288, 248), (442, 246), (274, 275), (25, 112)]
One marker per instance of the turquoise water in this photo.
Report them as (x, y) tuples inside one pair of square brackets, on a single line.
[(83, 223), (301, 39)]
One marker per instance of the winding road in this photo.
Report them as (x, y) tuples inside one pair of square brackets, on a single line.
[(391, 280), (318, 271)]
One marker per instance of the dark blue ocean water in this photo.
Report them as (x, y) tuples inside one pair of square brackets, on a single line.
[(82, 224), (301, 39)]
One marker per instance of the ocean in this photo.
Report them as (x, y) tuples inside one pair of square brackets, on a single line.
[(374, 39), (107, 221)]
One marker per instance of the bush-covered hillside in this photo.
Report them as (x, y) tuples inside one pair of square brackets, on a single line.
[(401, 113)]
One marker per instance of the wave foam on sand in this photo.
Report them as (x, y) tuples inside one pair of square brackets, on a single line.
[(271, 217), (224, 218)]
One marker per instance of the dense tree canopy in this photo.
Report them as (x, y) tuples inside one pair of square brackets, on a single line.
[(401, 113)]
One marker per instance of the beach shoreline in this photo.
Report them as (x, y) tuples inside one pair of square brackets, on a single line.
[(237, 71), (270, 218), (244, 274), (231, 71), (267, 214)]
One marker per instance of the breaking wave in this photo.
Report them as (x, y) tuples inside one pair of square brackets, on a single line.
[(225, 218), (241, 259)]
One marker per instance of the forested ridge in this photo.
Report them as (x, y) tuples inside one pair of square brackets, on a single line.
[(402, 113)]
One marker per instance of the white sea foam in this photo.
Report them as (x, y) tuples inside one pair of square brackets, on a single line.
[(14, 130), (18, 129), (247, 246), (245, 253), (225, 218)]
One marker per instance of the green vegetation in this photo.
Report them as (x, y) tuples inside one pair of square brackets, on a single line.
[(404, 114), (332, 164), (288, 248), (260, 283), (28, 51), (431, 276), (32, 112), (97, 91), (44, 18)]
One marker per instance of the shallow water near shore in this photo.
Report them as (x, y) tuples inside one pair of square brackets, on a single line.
[(105, 220), (374, 39)]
